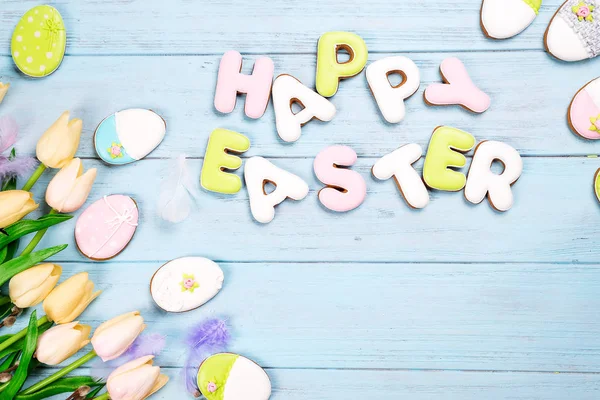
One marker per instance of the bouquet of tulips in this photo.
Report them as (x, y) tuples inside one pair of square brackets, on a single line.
[(56, 336)]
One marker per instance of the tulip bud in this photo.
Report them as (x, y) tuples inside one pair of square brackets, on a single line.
[(3, 89), (61, 342), (59, 143), (30, 287), (14, 205), (115, 336), (135, 380), (70, 188), (68, 300)]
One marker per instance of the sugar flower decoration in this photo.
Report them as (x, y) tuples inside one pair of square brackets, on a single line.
[(595, 123), (115, 150), (189, 283), (584, 11)]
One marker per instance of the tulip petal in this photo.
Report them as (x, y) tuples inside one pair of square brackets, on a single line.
[(32, 286), (14, 205), (68, 300), (58, 145), (134, 380), (115, 336), (80, 191)]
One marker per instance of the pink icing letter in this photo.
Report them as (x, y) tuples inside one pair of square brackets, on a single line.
[(460, 89), (231, 81), (345, 189)]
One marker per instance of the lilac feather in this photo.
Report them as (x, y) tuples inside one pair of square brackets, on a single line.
[(8, 132), (16, 167), (146, 345), (206, 338)]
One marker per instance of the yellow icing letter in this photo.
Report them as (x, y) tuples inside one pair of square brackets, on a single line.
[(443, 154), (329, 70), (218, 158)]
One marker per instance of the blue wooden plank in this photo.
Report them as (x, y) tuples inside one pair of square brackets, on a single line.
[(298, 384), (534, 121), (508, 317), (186, 27), (552, 220)]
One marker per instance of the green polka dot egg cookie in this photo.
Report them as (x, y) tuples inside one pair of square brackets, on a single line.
[(39, 41)]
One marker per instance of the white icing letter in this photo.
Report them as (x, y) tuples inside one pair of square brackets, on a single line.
[(390, 99), (482, 180), (288, 90), (399, 165), (258, 172)]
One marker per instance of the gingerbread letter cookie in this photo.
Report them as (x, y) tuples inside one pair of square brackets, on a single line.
[(106, 227), (390, 99), (129, 135), (346, 189), (228, 376), (186, 283), (231, 81), (257, 173), (288, 90), (482, 180), (329, 70), (443, 154), (398, 164), (574, 32), (584, 111), (459, 89), (218, 158), (503, 19)]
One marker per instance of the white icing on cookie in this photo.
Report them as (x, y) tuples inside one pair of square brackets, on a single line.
[(186, 283), (288, 90), (482, 180), (399, 165), (247, 381), (390, 99), (503, 19), (140, 131), (563, 42), (259, 171)]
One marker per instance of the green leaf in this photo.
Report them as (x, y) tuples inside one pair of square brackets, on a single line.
[(18, 345), (3, 254), (28, 349), (63, 385), (8, 361), (95, 392), (27, 226), (11, 250), (20, 264)]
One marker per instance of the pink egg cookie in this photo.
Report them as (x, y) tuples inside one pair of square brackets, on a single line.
[(584, 111), (106, 227)]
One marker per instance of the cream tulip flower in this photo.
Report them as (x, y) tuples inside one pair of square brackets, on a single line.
[(61, 342), (115, 336), (30, 287), (70, 188), (68, 300), (135, 380), (14, 205), (3, 90), (58, 145)]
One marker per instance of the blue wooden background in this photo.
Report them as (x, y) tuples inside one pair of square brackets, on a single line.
[(452, 302)]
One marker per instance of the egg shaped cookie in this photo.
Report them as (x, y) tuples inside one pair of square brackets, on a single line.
[(186, 283), (39, 41), (573, 32), (228, 376), (106, 227), (584, 111), (129, 135), (503, 19)]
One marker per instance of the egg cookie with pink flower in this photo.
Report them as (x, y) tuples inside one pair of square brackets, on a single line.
[(228, 376), (584, 111), (574, 32), (106, 227), (503, 19), (185, 284), (129, 135)]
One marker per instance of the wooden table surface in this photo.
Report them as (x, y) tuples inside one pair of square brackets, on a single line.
[(455, 301)]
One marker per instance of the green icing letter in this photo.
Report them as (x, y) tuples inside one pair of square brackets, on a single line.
[(217, 159)]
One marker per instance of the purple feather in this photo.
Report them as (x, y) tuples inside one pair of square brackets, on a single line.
[(206, 338), (8, 132), (146, 345), (18, 166)]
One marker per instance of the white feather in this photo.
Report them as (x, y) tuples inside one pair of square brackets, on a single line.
[(177, 192)]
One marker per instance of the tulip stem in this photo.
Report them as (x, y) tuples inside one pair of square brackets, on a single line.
[(20, 335), (36, 239), (59, 374), (34, 178)]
